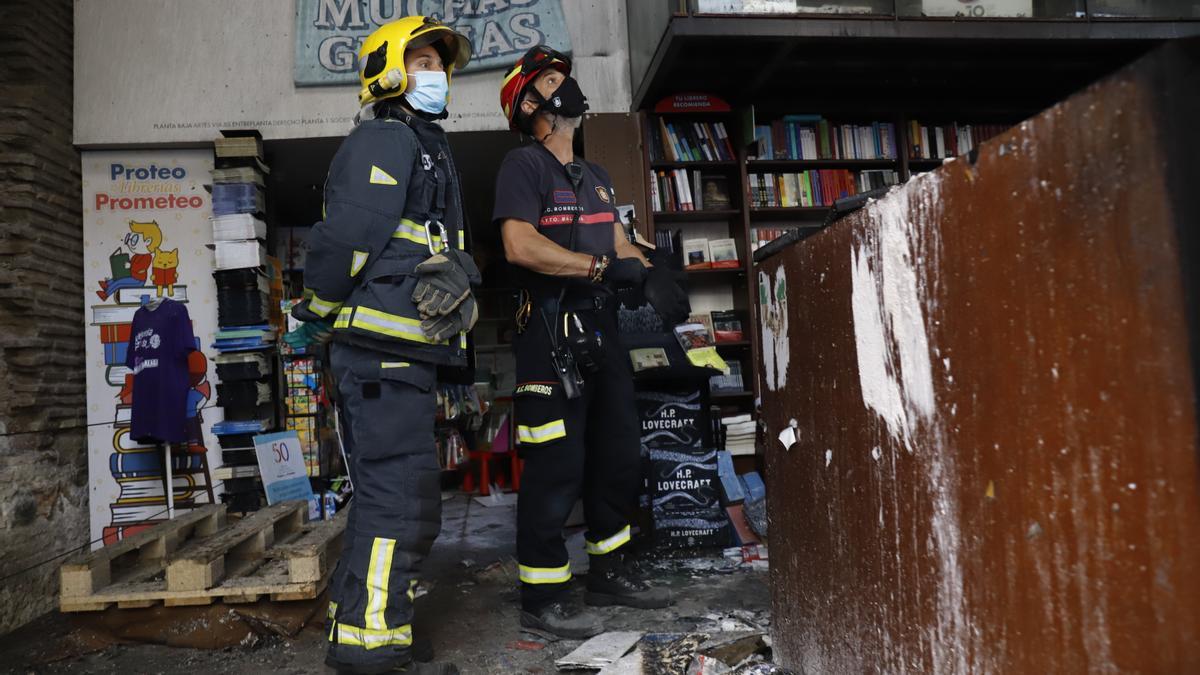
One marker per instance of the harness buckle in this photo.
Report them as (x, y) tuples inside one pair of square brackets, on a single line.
[(429, 237)]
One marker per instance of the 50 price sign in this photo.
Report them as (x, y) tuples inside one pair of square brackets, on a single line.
[(281, 452), (281, 466)]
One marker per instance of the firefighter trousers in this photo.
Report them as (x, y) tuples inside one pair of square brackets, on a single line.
[(387, 408), (586, 448)]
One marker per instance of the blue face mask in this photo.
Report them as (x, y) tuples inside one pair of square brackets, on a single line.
[(429, 92)]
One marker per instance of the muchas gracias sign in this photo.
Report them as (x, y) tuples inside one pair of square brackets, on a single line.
[(330, 32)]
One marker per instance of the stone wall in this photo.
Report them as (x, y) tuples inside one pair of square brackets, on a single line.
[(43, 473)]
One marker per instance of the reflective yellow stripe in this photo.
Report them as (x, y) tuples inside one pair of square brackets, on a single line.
[(356, 264), (378, 573), (332, 609), (412, 590), (609, 545), (397, 326), (411, 230), (462, 340), (372, 639), (343, 319), (318, 306), (547, 432), (545, 575), (394, 364), (462, 240)]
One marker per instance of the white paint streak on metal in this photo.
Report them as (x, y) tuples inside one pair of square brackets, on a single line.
[(776, 352), (894, 272)]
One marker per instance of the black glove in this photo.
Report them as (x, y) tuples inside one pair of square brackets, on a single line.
[(664, 292), (624, 272)]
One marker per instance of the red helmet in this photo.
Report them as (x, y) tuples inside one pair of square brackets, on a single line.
[(524, 72)]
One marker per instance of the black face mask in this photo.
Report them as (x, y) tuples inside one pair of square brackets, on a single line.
[(568, 100)]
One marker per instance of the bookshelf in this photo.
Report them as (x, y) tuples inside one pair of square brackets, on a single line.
[(888, 146)]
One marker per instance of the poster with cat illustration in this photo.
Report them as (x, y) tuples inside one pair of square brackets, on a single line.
[(146, 230)]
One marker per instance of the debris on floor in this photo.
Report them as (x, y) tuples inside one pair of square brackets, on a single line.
[(470, 615), (600, 651)]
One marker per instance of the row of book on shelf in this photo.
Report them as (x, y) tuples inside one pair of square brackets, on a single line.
[(816, 187), (683, 140), (806, 137), (684, 190), (760, 236), (947, 140)]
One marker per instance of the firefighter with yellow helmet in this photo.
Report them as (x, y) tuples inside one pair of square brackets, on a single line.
[(387, 268)]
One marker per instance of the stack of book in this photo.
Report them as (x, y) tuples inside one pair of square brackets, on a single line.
[(683, 487), (805, 137), (817, 187), (245, 337), (939, 141), (688, 141), (739, 434)]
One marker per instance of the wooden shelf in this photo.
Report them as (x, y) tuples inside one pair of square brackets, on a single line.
[(741, 269), (790, 211), (732, 394), (694, 216), (768, 164), (737, 344), (926, 163), (718, 164)]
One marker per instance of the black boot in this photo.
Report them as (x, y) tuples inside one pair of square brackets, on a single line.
[(564, 619), (611, 582)]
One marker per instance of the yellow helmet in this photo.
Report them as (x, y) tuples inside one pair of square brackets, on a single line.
[(381, 58)]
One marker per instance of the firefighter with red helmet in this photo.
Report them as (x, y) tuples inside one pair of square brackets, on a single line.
[(576, 426)]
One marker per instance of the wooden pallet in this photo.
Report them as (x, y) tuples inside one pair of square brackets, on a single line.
[(197, 559)]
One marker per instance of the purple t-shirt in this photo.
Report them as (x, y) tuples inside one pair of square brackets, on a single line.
[(159, 343)]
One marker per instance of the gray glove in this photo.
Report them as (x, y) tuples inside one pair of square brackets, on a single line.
[(446, 326), (443, 282)]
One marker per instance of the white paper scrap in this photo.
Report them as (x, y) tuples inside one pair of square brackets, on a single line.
[(601, 651)]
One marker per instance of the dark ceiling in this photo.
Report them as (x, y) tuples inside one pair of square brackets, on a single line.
[(980, 78)]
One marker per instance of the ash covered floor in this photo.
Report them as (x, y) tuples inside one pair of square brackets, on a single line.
[(470, 612)]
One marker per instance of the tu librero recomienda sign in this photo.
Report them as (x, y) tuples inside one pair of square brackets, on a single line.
[(329, 32)]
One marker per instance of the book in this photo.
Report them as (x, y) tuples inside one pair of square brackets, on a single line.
[(108, 314), (135, 296), (692, 336), (238, 226), (695, 254), (727, 326), (239, 254), (729, 381), (119, 332), (723, 253), (238, 174), (238, 146), (703, 319), (687, 140), (647, 358)]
